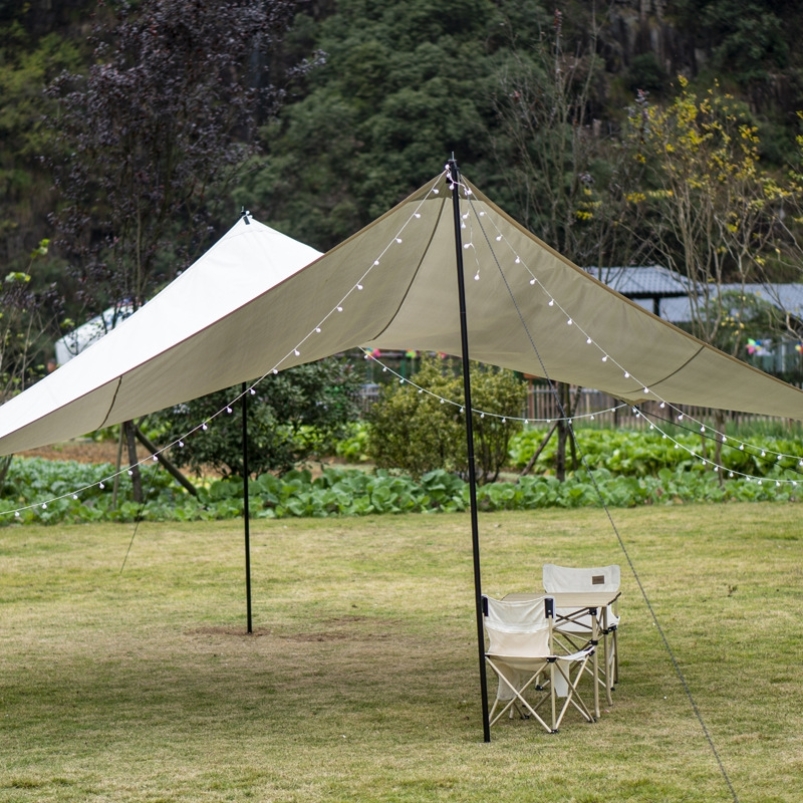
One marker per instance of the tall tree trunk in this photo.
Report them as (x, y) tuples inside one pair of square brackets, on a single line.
[(5, 464), (116, 491), (719, 426), (565, 431), (560, 454), (133, 462)]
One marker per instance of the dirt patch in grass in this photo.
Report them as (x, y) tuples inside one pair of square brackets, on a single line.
[(228, 631), (84, 451), (88, 451)]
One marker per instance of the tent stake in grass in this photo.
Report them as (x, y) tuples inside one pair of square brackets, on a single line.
[(472, 475)]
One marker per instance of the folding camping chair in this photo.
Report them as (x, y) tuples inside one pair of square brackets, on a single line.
[(576, 625), (529, 672)]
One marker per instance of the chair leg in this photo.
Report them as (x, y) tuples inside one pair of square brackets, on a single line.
[(572, 693), (517, 699)]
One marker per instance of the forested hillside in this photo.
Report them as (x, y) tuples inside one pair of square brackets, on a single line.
[(581, 119)]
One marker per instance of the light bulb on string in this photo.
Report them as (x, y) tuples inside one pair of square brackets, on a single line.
[(229, 410), (498, 237), (551, 302), (297, 352), (181, 444), (101, 486), (253, 392), (359, 287), (569, 322), (605, 358), (398, 239), (532, 281), (204, 427)]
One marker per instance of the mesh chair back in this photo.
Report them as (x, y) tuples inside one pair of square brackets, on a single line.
[(517, 629)]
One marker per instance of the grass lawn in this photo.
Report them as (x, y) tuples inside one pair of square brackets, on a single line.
[(360, 682)]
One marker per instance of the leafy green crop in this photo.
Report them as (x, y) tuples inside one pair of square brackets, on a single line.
[(645, 453), (32, 483)]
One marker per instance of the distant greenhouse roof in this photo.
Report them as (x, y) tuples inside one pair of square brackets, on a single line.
[(652, 283), (666, 293)]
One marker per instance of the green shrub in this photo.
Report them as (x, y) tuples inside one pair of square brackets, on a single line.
[(292, 416), (353, 447), (413, 429)]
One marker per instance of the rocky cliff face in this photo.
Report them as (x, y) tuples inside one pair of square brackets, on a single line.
[(636, 28)]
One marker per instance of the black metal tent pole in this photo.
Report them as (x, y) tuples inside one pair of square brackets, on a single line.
[(246, 512), (472, 475)]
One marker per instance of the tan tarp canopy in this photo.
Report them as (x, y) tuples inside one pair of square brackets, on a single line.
[(259, 301)]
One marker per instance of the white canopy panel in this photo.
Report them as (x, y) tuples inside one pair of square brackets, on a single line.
[(249, 306)]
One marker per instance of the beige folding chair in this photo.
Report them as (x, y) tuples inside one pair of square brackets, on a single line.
[(576, 625), (528, 670)]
